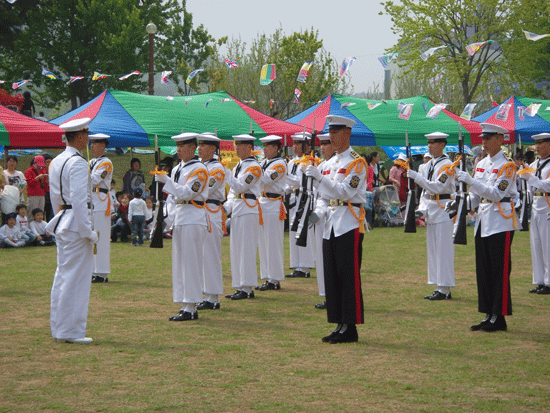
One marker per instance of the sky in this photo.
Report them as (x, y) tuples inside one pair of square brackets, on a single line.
[(347, 28)]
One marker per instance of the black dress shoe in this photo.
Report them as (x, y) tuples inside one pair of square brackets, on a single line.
[(477, 327), (242, 295), (321, 306), (270, 286), (207, 305), (185, 316), (427, 297), (347, 334), (231, 295), (440, 296), (292, 275), (327, 339), (171, 318), (536, 289), (544, 290), (298, 274), (497, 324), (98, 279)]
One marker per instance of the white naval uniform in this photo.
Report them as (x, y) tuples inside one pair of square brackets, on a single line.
[(72, 227), (245, 224), (188, 182), (272, 231), (102, 173), (435, 180), (212, 251), (539, 183), (300, 257)]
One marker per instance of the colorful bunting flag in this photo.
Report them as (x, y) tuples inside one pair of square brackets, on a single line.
[(17, 85), (164, 77), (304, 72), (534, 37), (74, 79), (226, 100), (188, 99), (425, 107), (2, 81), (297, 94), (272, 102), (532, 109), (267, 74), (207, 102), (502, 112), (192, 75), (495, 104), (372, 106), (49, 74), (387, 59), (251, 102), (231, 63), (434, 111), (405, 112), (99, 76), (346, 64), (468, 111), (426, 55), (521, 112), (343, 105), (474, 47), (135, 72)]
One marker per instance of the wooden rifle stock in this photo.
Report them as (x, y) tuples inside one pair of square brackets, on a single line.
[(410, 218), (460, 237)]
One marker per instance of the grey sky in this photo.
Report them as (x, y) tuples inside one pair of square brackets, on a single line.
[(348, 28)]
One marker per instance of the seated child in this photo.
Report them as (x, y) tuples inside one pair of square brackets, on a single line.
[(9, 233), (136, 216), (38, 227), (121, 227), (23, 224)]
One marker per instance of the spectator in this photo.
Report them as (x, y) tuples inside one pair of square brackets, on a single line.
[(137, 211), (121, 227), (133, 178), (38, 227), (398, 179), (28, 105), (374, 172), (48, 210), (36, 177), (41, 117), (23, 224), (15, 178), (9, 233)]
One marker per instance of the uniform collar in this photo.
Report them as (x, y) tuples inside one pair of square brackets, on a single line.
[(499, 154), (342, 155)]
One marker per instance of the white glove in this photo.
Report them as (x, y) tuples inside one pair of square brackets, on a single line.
[(465, 177), (228, 177), (412, 174), (313, 219), (313, 172), (451, 206), (94, 237), (162, 178), (526, 176)]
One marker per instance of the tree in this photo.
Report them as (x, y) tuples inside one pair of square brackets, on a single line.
[(497, 66), (78, 37), (288, 53)]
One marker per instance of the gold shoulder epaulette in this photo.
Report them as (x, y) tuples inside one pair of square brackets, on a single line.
[(355, 154)]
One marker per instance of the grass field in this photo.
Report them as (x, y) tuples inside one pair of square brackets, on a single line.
[(265, 354)]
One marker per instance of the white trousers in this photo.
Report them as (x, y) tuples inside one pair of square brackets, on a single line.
[(212, 257), (302, 257), (319, 270), (540, 242), (441, 254), (102, 260), (71, 286), (271, 248), (187, 247), (243, 244)]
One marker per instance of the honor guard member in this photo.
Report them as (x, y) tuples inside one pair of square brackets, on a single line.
[(74, 235), (212, 283), (344, 192), (244, 206), (302, 259), (437, 181), (492, 190), (539, 188), (270, 244), (327, 150), (101, 170), (188, 187)]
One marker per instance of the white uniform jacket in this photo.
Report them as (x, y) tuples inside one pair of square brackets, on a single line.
[(68, 175), (188, 184), (102, 173), (436, 180), (539, 183), (244, 179), (273, 182), (495, 179), (216, 180), (346, 181), (294, 182)]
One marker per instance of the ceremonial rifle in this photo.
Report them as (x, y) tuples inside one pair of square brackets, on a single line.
[(460, 237), (91, 204), (301, 203), (301, 233), (524, 196), (410, 218), (158, 216)]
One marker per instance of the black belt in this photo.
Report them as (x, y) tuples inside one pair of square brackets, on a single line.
[(270, 195), (247, 196), (339, 202), (541, 194), (505, 199), (190, 202), (66, 206), (214, 201), (440, 196), (102, 190)]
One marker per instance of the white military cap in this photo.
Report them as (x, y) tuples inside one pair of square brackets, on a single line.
[(76, 125), (339, 122), (184, 137), (325, 137), (244, 138), (488, 129), (300, 136), (270, 139), (541, 136), (428, 155), (98, 136), (401, 157), (208, 137), (434, 136)]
